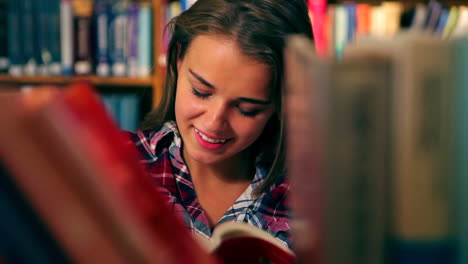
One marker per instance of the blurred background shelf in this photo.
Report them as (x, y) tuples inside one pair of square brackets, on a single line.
[(60, 80)]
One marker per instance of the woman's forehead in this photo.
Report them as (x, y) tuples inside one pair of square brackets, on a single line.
[(219, 61)]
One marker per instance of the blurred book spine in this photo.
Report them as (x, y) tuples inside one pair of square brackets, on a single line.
[(82, 18), (145, 43), (4, 61), (66, 36), (119, 35)]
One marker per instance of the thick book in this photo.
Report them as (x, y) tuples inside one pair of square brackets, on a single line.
[(85, 183), (423, 151), (338, 145)]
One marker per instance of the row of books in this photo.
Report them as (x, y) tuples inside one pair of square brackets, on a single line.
[(378, 151), (124, 109), (72, 190), (170, 9), (64, 37), (337, 25)]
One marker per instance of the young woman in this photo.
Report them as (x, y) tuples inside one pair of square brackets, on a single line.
[(215, 144)]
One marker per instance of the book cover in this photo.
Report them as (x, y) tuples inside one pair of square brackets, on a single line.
[(306, 117)]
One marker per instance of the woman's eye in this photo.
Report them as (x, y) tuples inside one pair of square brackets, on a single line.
[(198, 94), (251, 113)]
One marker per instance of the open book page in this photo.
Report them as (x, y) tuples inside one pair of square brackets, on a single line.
[(239, 241)]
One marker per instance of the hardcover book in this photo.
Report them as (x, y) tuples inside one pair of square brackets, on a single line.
[(81, 177)]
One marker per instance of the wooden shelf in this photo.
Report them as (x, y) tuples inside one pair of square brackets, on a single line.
[(95, 80)]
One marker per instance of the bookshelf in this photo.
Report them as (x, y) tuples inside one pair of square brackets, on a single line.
[(152, 83), (93, 79)]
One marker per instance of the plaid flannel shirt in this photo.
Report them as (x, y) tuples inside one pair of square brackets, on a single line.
[(161, 155)]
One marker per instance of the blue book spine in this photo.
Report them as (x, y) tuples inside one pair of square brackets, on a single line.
[(101, 16), (132, 59), (53, 39), (15, 37), (145, 36), (351, 16), (111, 103), (119, 32), (434, 9), (184, 5), (43, 28), (29, 30), (442, 21), (66, 36), (4, 61), (129, 112), (461, 139)]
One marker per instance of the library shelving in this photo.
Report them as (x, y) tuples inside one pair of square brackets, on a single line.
[(152, 83)]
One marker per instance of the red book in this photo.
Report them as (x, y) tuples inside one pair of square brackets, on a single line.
[(318, 13), (85, 181)]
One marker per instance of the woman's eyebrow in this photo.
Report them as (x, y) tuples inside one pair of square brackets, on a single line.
[(244, 99), (255, 101), (200, 79)]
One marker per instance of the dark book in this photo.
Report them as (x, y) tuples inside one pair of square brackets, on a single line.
[(4, 61)]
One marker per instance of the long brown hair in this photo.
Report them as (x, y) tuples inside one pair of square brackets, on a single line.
[(260, 28)]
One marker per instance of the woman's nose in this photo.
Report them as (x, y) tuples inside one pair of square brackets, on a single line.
[(217, 116)]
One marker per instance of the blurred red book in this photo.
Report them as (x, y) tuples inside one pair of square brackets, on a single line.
[(78, 171)]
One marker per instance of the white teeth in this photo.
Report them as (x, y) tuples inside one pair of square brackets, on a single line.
[(209, 139)]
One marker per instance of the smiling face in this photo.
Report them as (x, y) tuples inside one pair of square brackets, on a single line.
[(222, 100)]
